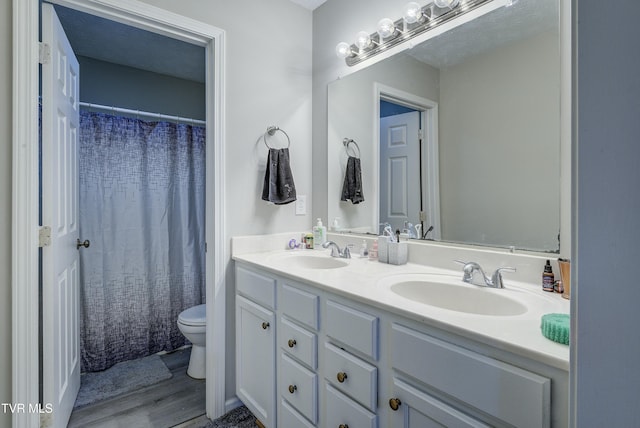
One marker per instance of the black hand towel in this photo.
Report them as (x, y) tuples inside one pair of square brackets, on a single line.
[(352, 187), (278, 180)]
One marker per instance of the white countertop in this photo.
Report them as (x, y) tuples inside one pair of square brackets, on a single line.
[(368, 281)]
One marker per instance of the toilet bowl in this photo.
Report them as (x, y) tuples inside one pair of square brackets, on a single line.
[(192, 323)]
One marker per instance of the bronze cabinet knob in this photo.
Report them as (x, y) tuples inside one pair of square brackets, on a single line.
[(292, 388), (291, 343), (265, 325), (343, 426), (394, 403), (341, 377)]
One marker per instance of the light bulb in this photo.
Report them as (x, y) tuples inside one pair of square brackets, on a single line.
[(363, 40), (343, 50), (412, 13), (446, 3), (386, 28)]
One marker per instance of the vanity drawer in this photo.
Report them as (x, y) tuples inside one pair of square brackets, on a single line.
[(259, 288), (355, 329), (298, 342), (343, 411), (516, 396), (352, 376), (300, 306), (299, 386), (289, 417)]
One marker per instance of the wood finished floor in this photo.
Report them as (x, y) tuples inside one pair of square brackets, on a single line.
[(169, 403)]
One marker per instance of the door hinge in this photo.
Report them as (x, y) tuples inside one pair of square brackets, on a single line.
[(423, 215), (44, 236), (206, 247), (44, 53), (420, 134)]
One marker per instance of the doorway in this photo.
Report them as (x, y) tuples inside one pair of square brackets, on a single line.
[(406, 128), (25, 303)]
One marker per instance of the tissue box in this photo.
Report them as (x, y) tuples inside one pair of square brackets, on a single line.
[(383, 249), (398, 253)]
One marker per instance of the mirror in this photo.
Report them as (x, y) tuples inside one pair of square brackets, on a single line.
[(485, 167)]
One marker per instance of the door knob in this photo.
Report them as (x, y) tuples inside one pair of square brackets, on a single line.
[(291, 343), (292, 389), (341, 377), (84, 244), (265, 325)]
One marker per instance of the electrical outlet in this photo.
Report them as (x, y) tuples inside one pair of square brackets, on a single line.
[(301, 205)]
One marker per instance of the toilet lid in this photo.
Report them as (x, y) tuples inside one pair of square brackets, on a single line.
[(194, 316)]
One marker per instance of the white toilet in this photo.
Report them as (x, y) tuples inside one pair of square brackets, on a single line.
[(192, 323)]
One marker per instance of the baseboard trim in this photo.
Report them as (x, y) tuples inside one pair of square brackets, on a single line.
[(231, 404)]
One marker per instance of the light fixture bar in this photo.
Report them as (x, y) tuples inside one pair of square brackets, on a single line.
[(434, 17)]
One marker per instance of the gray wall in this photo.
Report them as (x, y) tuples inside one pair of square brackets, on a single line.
[(494, 182), (268, 82), (351, 102), (606, 235), (6, 39), (120, 86)]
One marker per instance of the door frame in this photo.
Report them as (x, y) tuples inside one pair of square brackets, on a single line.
[(25, 201), (429, 118)]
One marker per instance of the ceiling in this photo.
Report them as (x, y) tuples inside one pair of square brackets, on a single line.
[(110, 41), (309, 4), (117, 43), (504, 25)]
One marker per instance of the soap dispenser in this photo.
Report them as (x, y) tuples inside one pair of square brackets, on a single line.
[(319, 234)]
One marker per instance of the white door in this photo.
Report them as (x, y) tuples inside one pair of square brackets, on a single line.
[(400, 169), (60, 260)]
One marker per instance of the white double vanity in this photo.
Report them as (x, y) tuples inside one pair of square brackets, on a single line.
[(328, 342), (478, 153)]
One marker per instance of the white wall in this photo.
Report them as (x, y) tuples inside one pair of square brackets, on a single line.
[(333, 22), (6, 39), (606, 361), (351, 107), (126, 87), (515, 89), (268, 82)]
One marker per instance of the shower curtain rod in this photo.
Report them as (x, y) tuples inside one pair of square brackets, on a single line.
[(143, 113)]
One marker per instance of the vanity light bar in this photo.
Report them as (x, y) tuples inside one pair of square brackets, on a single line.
[(431, 17)]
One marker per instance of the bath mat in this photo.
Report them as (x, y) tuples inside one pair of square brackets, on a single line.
[(123, 377), (240, 417)]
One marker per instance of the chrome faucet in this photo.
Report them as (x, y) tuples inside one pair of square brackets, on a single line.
[(335, 250), (473, 274)]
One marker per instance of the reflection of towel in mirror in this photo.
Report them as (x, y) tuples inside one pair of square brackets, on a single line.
[(352, 187), (278, 180)]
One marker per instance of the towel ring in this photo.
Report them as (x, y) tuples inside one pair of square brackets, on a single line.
[(346, 143), (271, 130)]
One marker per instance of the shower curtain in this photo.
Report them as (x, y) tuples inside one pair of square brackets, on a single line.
[(142, 206)]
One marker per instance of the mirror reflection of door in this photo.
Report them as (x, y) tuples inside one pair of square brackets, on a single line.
[(399, 165)]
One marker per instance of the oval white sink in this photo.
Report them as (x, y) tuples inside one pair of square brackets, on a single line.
[(311, 261), (477, 300)]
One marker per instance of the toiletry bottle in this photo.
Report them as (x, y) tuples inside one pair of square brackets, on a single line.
[(547, 277), (373, 253), (319, 234), (364, 252)]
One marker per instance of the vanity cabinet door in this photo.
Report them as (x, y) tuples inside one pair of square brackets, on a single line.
[(413, 408), (255, 359)]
